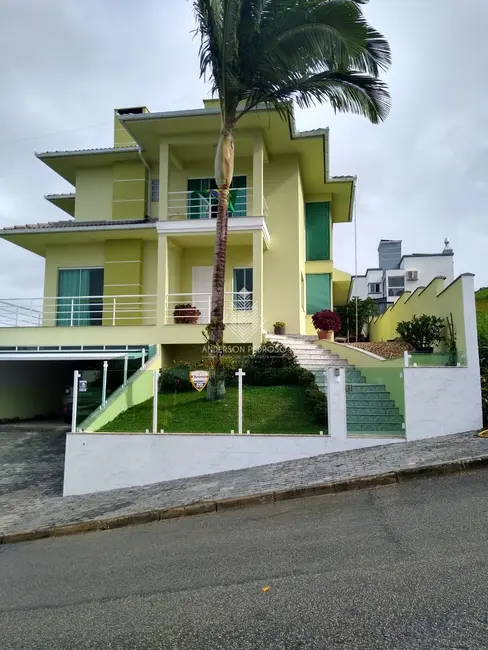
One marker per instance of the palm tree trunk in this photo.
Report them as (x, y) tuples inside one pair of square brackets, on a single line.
[(224, 169)]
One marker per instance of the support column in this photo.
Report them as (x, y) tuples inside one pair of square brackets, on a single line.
[(162, 280), (163, 180), (258, 293), (257, 179)]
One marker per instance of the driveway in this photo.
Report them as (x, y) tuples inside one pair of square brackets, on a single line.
[(399, 567), (31, 462)]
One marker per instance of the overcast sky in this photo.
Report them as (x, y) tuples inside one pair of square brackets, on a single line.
[(422, 175)]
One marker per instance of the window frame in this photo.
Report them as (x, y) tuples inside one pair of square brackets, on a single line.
[(248, 303)]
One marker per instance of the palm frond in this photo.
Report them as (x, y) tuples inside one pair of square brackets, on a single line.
[(274, 51)]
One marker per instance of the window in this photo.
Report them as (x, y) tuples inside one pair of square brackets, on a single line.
[(155, 189), (374, 287), (203, 198), (317, 231), (79, 297), (242, 289), (318, 292), (396, 285)]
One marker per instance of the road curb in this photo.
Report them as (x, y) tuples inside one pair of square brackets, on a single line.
[(461, 465)]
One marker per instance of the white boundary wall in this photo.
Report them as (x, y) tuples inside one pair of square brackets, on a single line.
[(440, 401), (107, 461)]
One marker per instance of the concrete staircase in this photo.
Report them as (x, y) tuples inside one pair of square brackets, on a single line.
[(370, 409)]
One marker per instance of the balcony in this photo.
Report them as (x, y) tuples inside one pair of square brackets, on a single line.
[(79, 311), (240, 308), (204, 204)]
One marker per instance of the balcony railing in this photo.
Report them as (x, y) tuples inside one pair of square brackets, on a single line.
[(239, 308), (79, 311), (204, 204)]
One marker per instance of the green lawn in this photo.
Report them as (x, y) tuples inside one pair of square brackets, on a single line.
[(266, 409)]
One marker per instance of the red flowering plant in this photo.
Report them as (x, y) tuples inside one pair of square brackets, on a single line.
[(186, 313), (326, 321)]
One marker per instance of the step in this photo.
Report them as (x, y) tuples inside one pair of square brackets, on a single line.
[(372, 409), (375, 426), (320, 380), (367, 388), (358, 399), (393, 418)]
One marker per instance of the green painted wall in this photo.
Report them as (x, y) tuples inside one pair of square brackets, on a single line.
[(129, 190), (282, 261), (433, 300), (123, 277), (94, 194)]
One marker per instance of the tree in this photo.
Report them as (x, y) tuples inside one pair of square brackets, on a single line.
[(274, 52), (365, 309)]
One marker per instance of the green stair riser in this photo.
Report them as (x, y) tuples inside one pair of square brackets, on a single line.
[(374, 426), (387, 409), (359, 419)]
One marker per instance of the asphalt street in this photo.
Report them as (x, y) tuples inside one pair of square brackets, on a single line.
[(403, 566)]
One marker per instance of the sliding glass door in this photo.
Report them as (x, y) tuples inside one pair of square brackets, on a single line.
[(79, 297)]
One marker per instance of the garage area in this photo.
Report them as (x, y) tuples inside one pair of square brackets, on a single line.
[(37, 384)]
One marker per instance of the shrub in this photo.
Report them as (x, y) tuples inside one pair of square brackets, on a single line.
[(175, 378), (279, 323), (422, 331), (326, 320), (186, 313), (229, 366), (366, 310), (272, 355), (317, 403)]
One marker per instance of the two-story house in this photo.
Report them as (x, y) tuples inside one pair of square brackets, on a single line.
[(139, 238), (397, 273)]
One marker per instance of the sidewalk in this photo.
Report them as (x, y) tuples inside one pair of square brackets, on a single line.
[(272, 482)]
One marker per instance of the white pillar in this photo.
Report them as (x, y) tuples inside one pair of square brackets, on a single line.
[(240, 375), (336, 402), (257, 205), (162, 280), (126, 364), (155, 401), (258, 287), (104, 384), (74, 407)]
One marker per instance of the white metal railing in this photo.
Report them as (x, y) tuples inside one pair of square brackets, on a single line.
[(204, 204), (187, 308), (79, 311)]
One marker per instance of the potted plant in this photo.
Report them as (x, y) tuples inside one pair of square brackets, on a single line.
[(422, 332), (326, 322), (186, 313), (279, 327)]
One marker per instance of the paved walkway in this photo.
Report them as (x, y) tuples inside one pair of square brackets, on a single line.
[(45, 511)]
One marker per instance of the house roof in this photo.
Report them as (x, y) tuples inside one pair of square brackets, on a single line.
[(75, 225)]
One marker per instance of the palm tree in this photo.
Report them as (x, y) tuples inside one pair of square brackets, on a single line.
[(274, 52)]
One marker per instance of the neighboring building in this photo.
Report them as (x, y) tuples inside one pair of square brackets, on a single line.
[(397, 273), (140, 238)]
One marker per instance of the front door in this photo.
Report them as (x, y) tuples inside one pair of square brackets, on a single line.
[(202, 291)]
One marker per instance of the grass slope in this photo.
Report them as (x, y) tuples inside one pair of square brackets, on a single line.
[(266, 409)]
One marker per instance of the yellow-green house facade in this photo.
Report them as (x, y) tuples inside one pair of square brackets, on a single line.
[(138, 243)]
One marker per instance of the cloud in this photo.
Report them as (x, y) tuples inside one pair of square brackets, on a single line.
[(421, 174)]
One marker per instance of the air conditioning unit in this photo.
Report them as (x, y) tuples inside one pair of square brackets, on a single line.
[(412, 275)]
